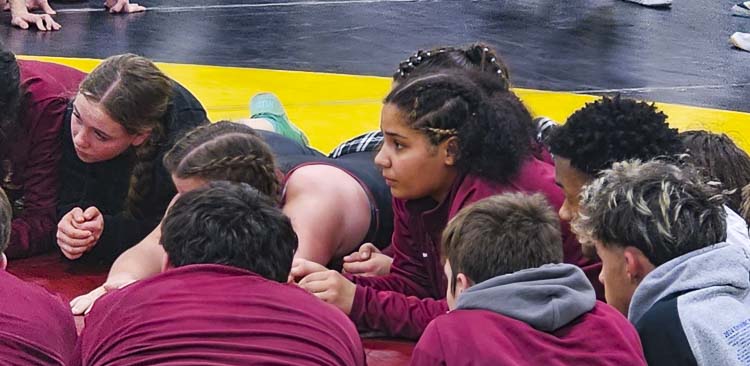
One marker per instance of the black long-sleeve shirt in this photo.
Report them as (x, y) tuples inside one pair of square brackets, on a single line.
[(105, 184)]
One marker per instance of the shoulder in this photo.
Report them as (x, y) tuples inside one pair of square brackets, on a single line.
[(663, 336)]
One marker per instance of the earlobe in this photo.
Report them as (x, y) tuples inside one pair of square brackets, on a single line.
[(451, 151), (637, 265), (462, 283), (165, 264), (3, 261)]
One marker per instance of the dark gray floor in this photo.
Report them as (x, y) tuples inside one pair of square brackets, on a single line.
[(681, 55)]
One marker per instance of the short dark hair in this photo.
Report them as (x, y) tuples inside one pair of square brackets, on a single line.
[(745, 209), (611, 130), (10, 94), (719, 159), (231, 224), (502, 234), (662, 209), (6, 217)]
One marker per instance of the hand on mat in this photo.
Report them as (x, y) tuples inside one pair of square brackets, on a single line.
[(76, 234), (123, 6), (331, 287), (368, 261), (43, 22), (303, 267), (81, 305)]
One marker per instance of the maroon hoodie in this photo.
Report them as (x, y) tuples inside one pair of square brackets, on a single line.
[(30, 162), (36, 327), (402, 303), (214, 314), (540, 316)]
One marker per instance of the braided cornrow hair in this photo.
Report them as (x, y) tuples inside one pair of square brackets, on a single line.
[(136, 94), (229, 155), (199, 135), (478, 57), (491, 136)]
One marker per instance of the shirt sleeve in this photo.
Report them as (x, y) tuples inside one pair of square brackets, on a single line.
[(32, 231), (394, 313)]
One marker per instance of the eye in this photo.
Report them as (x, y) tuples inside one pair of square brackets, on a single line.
[(100, 136)]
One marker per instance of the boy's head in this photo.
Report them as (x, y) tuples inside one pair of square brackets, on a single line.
[(641, 215), (602, 133), (6, 216), (230, 224), (499, 235)]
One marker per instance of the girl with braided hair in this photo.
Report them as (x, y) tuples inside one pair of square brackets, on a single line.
[(446, 145), (114, 190), (334, 204)]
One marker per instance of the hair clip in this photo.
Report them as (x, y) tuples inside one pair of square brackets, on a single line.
[(486, 49), (493, 59), (428, 54), (419, 58), (500, 71)]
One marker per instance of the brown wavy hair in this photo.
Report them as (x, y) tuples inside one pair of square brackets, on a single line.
[(136, 94)]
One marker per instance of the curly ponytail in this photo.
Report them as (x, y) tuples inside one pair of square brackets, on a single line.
[(492, 132), (136, 94)]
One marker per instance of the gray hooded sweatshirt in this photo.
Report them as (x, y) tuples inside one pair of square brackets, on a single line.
[(695, 309), (547, 297)]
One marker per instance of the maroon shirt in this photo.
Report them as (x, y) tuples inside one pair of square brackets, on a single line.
[(402, 303), (30, 163), (213, 314), (36, 327), (482, 337)]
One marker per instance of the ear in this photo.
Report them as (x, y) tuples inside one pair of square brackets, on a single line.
[(141, 137), (462, 284), (450, 147), (637, 265), (3, 261), (165, 264)]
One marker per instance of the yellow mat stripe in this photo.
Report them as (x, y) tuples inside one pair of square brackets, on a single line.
[(333, 107)]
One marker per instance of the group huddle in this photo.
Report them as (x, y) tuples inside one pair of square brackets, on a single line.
[(463, 224)]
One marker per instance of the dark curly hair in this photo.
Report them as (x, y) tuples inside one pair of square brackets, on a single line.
[(475, 57), (719, 159), (611, 130), (11, 94), (232, 224), (492, 139)]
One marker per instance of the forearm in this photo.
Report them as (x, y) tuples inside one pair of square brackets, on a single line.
[(142, 260)]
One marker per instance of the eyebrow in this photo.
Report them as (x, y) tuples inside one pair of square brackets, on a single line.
[(78, 115), (393, 134)]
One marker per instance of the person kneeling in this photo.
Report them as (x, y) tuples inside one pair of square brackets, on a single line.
[(222, 298), (513, 301)]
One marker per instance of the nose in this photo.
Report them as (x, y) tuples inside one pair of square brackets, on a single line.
[(381, 158), (79, 138)]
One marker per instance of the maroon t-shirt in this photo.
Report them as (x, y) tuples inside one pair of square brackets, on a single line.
[(482, 337), (213, 314), (36, 327), (30, 162)]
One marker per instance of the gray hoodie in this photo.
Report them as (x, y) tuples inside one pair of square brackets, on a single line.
[(547, 298), (710, 291)]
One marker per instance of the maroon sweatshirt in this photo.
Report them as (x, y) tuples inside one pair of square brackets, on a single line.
[(36, 327), (403, 302), (539, 316), (213, 314), (30, 162)]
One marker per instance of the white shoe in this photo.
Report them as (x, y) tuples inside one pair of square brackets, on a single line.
[(652, 3), (742, 9), (741, 40)]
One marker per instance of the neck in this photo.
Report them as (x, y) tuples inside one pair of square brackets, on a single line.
[(443, 190)]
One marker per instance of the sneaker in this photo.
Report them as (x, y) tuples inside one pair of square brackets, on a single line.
[(741, 9), (741, 40), (268, 107), (653, 3)]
